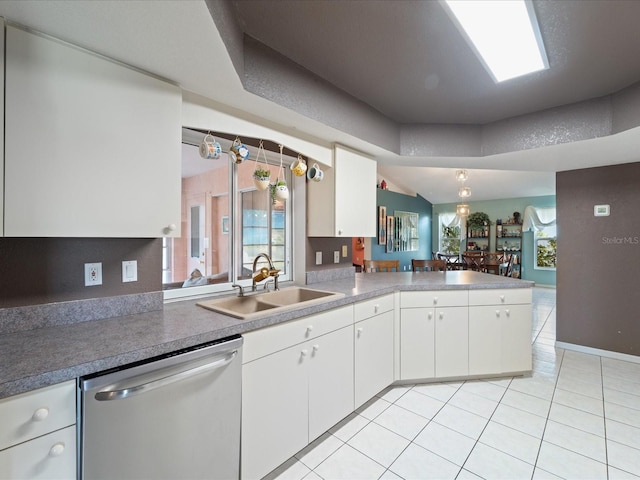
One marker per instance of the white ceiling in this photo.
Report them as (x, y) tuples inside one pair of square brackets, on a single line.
[(385, 53)]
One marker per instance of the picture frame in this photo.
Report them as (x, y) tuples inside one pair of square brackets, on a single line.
[(382, 225), (390, 226)]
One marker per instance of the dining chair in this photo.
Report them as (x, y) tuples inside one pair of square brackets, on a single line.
[(506, 267), (472, 261), (381, 265), (492, 262), (452, 260), (428, 265)]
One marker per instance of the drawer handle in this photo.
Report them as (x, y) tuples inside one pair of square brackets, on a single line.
[(360, 330), (502, 298), (430, 316), (507, 312), (441, 315), (316, 348), (309, 329), (57, 449), (303, 352), (376, 308), (40, 414), (498, 313), (435, 300)]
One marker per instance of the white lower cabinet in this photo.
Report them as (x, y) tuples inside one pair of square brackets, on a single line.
[(330, 380), (417, 343), (500, 324), (433, 334), (38, 434), (373, 338), (47, 457), (292, 395), (451, 341)]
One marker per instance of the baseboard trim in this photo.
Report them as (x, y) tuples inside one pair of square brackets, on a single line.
[(596, 351)]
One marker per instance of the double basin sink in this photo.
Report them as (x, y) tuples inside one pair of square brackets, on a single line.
[(253, 305)]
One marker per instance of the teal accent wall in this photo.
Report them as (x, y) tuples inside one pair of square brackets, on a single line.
[(504, 209), (405, 203)]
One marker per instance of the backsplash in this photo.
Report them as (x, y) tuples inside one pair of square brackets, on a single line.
[(37, 271)]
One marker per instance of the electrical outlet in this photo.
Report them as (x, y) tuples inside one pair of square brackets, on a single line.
[(318, 258), (336, 256), (129, 271), (92, 274), (344, 251)]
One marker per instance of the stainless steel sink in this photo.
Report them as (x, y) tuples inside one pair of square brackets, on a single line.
[(251, 306)]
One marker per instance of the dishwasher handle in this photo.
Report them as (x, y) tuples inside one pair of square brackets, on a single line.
[(161, 382)]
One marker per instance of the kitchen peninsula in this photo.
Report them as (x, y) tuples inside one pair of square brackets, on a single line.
[(323, 360), (39, 357)]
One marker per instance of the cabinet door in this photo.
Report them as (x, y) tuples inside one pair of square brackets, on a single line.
[(452, 341), (516, 338), (355, 194), (92, 148), (330, 380), (417, 340), (344, 203), (50, 456), (485, 340), (274, 410), (373, 356)]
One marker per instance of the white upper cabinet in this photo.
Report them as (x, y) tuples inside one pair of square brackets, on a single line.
[(343, 204), (92, 148)]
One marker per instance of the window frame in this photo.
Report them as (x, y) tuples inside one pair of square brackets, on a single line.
[(235, 226), (441, 236)]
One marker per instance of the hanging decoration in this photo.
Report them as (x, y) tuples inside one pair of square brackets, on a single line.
[(261, 176), (464, 192), (279, 190)]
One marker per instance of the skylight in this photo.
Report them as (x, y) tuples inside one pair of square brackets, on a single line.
[(504, 34)]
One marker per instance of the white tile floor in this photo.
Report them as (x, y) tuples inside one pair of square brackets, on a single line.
[(576, 417)]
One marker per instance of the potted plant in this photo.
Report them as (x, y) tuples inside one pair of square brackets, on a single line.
[(261, 178), (478, 221), (277, 190)]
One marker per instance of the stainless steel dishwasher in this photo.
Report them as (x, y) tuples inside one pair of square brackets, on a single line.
[(170, 417)]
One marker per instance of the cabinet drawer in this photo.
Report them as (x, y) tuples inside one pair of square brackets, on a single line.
[(506, 296), (32, 414), (375, 306), (277, 337), (438, 298), (50, 456)]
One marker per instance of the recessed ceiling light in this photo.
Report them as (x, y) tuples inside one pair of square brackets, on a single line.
[(504, 34)]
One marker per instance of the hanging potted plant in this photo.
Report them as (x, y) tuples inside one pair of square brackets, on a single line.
[(261, 175), (279, 190), (261, 178)]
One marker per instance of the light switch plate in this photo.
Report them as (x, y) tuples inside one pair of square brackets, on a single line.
[(130, 271), (318, 258), (336, 256)]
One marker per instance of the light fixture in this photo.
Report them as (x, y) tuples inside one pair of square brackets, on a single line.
[(464, 192), (462, 175), (504, 34), (462, 210)]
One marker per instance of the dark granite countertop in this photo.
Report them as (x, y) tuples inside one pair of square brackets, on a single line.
[(44, 356)]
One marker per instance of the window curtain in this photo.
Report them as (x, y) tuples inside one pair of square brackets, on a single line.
[(450, 220), (538, 218)]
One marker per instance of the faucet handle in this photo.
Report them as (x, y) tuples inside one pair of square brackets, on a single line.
[(241, 292)]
